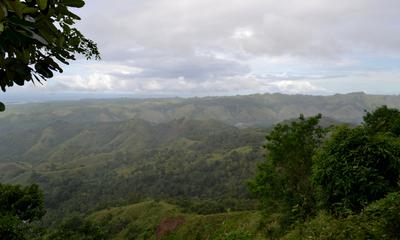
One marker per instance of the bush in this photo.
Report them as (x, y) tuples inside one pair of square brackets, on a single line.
[(380, 220), (77, 228), (355, 168)]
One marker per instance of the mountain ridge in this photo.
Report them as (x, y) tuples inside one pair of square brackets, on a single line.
[(246, 110)]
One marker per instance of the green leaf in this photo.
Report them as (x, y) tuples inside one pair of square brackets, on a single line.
[(74, 41), (17, 6), (74, 3), (29, 10), (2, 107), (3, 12), (42, 4)]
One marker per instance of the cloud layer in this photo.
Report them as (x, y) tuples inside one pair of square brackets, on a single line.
[(220, 47)]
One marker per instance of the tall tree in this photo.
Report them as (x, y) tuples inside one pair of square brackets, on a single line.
[(283, 180), (35, 37)]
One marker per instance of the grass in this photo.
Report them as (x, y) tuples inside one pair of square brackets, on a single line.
[(142, 220)]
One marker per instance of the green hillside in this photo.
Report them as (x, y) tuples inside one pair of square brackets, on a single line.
[(195, 156), (88, 166), (160, 220)]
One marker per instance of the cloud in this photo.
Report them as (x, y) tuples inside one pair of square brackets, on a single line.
[(316, 28), (205, 47), (239, 84)]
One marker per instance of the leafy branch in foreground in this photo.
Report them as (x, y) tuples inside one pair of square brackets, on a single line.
[(35, 37)]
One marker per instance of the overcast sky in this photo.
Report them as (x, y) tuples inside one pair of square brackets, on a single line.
[(228, 47)]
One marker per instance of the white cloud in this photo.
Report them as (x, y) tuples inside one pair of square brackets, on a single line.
[(205, 47), (243, 33), (292, 87)]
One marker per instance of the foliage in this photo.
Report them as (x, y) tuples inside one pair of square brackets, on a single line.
[(20, 208), (383, 120), (380, 220), (77, 228), (35, 36), (282, 182), (95, 159), (90, 166), (141, 221), (355, 168), (210, 206)]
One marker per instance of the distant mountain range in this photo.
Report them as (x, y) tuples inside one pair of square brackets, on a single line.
[(252, 110), (91, 154)]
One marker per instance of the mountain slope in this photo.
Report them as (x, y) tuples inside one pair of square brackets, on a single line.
[(86, 166), (160, 220)]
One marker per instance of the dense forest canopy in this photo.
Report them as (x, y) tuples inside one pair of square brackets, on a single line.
[(341, 175)]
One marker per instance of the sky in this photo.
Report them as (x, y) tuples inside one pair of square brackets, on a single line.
[(227, 47)]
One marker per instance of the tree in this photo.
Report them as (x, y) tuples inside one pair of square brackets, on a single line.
[(383, 120), (20, 207), (283, 180), (35, 37), (356, 167)]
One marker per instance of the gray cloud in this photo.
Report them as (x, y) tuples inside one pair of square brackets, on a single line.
[(313, 28), (222, 46), (193, 67)]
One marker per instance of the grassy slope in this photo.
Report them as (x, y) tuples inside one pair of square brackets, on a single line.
[(141, 221)]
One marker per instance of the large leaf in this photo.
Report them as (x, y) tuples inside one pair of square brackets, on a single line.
[(42, 4), (74, 3)]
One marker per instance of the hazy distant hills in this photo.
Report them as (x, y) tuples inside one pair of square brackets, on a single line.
[(251, 110), (95, 153)]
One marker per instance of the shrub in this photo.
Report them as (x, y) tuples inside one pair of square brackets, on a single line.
[(355, 168)]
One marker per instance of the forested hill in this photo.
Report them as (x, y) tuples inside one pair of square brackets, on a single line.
[(92, 154), (90, 165), (251, 110)]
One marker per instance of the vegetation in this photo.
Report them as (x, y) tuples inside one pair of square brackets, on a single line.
[(84, 167), (354, 168), (20, 209), (160, 220), (77, 228), (316, 182), (35, 35), (283, 182), (379, 220)]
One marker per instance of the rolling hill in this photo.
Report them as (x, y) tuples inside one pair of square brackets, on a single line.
[(91, 154), (160, 220), (87, 166)]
